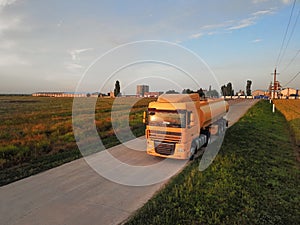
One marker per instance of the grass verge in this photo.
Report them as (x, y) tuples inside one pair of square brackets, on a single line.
[(255, 179)]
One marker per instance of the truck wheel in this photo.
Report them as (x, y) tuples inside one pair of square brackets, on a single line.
[(221, 127), (208, 139), (225, 125), (191, 157), (207, 133), (193, 151)]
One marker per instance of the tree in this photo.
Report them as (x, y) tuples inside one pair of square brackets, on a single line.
[(227, 90), (117, 89), (211, 93), (224, 90), (172, 92), (248, 87), (201, 93), (230, 92), (187, 91)]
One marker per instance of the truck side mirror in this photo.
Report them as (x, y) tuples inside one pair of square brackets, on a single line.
[(192, 119), (145, 117)]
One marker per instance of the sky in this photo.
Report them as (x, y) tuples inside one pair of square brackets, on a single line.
[(87, 45)]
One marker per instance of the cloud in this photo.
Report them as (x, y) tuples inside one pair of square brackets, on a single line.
[(7, 44), (4, 3), (251, 20), (76, 52), (218, 25), (258, 1), (9, 21), (6, 24), (73, 67), (256, 40), (60, 23), (197, 35), (243, 23), (212, 29), (263, 12), (13, 60), (286, 1), (230, 25)]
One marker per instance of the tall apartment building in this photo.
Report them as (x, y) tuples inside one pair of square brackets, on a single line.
[(141, 89)]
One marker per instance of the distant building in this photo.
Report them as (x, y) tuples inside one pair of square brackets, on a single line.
[(153, 94), (260, 93), (241, 93), (287, 92), (141, 89), (95, 94), (59, 94), (111, 94)]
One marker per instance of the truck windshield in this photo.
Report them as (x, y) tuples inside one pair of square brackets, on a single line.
[(167, 118)]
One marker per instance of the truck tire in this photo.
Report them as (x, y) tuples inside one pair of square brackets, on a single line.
[(222, 124), (207, 133), (191, 157), (220, 128), (193, 151)]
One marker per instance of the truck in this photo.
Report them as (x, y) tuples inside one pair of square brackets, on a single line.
[(178, 125)]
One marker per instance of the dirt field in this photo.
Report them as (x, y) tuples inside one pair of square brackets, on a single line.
[(290, 108)]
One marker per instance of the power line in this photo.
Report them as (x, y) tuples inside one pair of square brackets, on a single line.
[(293, 29), (292, 60), (286, 31), (292, 78)]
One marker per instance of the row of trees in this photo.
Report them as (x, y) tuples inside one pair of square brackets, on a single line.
[(200, 92), (227, 90), (210, 93)]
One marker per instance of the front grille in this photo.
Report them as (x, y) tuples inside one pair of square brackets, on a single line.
[(163, 136), (164, 148)]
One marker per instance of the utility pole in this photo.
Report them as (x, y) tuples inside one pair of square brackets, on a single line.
[(275, 83)]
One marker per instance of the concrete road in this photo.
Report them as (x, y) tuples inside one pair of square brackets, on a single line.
[(238, 108), (75, 194)]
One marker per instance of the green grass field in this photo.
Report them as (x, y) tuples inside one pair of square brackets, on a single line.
[(255, 179), (36, 133)]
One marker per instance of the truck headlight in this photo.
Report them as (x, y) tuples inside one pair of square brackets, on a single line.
[(180, 150), (149, 144)]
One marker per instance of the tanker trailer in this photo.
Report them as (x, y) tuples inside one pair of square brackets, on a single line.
[(177, 125)]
